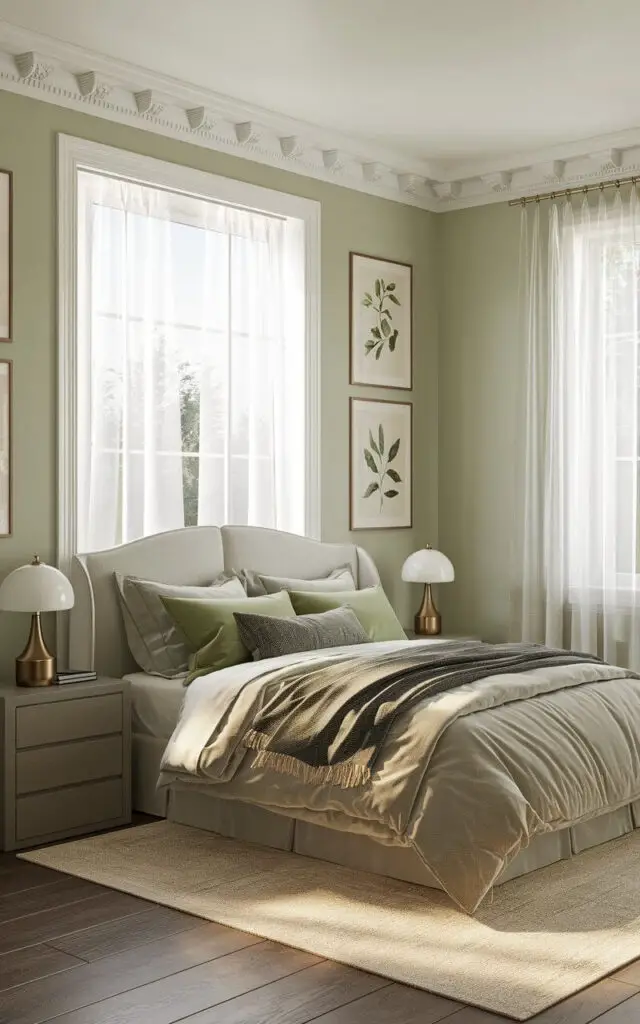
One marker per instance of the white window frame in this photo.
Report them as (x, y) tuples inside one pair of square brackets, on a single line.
[(75, 155)]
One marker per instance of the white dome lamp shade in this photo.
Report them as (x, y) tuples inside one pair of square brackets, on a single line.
[(427, 566), (35, 588)]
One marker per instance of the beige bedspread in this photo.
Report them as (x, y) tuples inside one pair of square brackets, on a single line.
[(467, 778)]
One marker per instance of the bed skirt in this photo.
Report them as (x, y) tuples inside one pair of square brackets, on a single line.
[(199, 807)]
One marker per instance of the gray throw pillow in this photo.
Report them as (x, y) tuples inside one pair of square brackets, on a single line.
[(154, 640), (258, 584), (268, 637)]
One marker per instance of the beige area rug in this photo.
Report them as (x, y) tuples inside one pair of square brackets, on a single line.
[(538, 940)]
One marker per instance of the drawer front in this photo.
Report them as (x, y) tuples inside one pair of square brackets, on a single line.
[(58, 721), (42, 814), (66, 764)]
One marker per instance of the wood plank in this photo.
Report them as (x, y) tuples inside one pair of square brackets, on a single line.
[(297, 998), (45, 897), (629, 974), (626, 1013), (198, 988), (49, 924), (19, 875), (392, 1005), (116, 936), (42, 1000), (582, 1008), (24, 965)]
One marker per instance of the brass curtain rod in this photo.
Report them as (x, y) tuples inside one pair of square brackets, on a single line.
[(568, 192)]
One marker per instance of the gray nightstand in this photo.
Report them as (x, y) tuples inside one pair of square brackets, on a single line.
[(65, 760)]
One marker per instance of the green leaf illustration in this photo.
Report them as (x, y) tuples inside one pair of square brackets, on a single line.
[(394, 449), (382, 331), (381, 469)]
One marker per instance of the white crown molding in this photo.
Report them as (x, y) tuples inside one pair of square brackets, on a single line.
[(69, 76)]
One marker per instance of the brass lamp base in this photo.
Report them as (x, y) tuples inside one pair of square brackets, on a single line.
[(36, 666), (427, 621)]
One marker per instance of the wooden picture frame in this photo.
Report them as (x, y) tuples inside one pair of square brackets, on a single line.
[(6, 447), (380, 464), (6, 255), (380, 322)]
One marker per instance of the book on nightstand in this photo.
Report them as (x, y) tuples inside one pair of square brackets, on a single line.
[(73, 676)]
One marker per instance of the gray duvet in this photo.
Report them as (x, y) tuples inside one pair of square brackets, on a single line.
[(467, 777)]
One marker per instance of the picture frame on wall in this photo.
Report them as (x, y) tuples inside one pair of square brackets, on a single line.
[(380, 322), (6, 230), (381, 464), (6, 410)]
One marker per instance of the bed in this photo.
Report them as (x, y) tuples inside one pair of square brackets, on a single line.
[(194, 556)]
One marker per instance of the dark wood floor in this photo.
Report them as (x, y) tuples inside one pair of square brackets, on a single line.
[(82, 954)]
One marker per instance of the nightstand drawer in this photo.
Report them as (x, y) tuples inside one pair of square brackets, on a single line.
[(50, 767), (55, 722), (42, 814)]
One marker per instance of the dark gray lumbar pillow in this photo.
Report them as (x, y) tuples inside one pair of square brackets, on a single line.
[(268, 637)]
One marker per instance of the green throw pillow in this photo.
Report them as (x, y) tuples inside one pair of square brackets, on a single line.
[(211, 630), (371, 605)]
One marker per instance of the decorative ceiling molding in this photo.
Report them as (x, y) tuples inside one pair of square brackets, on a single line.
[(291, 146), (248, 133), (91, 86), (200, 120), (31, 67), (66, 75), (148, 104)]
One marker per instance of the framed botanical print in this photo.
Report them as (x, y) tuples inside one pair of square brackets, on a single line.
[(381, 318), (5, 255), (381, 464), (5, 447)]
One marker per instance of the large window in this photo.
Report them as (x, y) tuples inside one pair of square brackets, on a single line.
[(192, 352), (581, 304), (600, 332)]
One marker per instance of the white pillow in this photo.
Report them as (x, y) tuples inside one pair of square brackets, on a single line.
[(153, 637), (257, 584)]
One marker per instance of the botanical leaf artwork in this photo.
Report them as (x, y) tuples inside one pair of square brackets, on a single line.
[(379, 464), (382, 333)]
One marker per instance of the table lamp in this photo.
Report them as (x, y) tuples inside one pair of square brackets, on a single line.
[(427, 566), (35, 588)]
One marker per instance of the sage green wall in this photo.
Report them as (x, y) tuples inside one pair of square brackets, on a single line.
[(350, 220), (479, 399)]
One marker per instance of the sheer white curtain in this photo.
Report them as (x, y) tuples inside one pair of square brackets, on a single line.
[(190, 364), (580, 266)]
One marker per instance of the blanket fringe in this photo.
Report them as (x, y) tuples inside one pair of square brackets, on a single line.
[(345, 775)]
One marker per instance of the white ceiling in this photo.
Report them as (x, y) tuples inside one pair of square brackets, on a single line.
[(436, 81)]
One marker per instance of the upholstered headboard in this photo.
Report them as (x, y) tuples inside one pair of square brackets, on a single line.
[(194, 555)]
